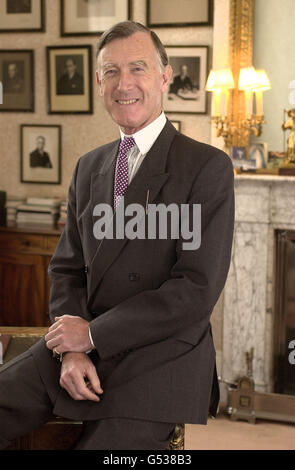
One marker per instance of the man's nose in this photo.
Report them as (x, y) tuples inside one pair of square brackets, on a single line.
[(125, 81)]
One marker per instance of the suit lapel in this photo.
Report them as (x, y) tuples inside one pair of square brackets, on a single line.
[(102, 183), (149, 179)]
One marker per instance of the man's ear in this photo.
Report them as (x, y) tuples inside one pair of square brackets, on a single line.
[(167, 77), (98, 81)]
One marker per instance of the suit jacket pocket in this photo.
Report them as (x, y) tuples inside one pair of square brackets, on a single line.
[(195, 334)]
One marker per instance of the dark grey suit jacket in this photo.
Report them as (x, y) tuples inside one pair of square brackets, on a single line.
[(149, 301)]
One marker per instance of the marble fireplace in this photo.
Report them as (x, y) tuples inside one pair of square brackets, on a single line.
[(264, 204)]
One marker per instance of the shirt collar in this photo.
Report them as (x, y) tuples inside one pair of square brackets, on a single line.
[(146, 137)]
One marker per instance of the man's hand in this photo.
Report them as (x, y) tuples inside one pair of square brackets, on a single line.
[(69, 333), (79, 378)]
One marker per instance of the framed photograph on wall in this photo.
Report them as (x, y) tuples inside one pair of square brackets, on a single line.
[(17, 78), (69, 74), (22, 16), (40, 154), (92, 17), (176, 13), (186, 93)]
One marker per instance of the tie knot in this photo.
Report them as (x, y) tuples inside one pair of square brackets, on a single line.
[(127, 144)]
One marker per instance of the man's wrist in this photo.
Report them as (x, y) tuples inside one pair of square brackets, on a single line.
[(91, 339), (60, 356)]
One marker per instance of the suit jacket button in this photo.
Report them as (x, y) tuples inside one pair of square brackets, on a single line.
[(86, 269), (134, 276)]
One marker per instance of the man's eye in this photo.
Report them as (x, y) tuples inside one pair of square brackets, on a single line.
[(138, 69), (110, 72)]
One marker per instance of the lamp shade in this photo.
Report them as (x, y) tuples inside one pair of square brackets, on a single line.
[(211, 81), (247, 78), (221, 79), (262, 81)]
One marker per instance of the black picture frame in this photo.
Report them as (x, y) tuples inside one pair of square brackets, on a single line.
[(172, 15), (40, 167), (67, 95), (75, 26), (23, 22), (192, 98), (17, 78)]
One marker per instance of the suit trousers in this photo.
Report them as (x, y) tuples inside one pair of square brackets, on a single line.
[(25, 406)]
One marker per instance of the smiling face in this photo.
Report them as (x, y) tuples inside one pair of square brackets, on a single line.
[(131, 81)]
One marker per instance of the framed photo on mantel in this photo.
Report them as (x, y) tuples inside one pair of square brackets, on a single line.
[(22, 16), (92, 17)]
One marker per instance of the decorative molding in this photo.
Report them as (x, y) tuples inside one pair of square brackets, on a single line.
[(240, 55)]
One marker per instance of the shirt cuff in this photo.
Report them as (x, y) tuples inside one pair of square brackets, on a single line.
[(91, 340)]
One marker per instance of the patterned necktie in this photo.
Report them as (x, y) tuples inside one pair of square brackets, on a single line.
[(121, 181)]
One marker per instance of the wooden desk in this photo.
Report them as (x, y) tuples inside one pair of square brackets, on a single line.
[(25, 253)]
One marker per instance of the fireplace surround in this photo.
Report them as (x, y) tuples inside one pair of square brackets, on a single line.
[(264, 207)]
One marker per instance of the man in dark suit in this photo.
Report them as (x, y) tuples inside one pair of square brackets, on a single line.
[(18, 6), (131, 315), (40, 158), (71, 82), (181, 82), (13, 83)]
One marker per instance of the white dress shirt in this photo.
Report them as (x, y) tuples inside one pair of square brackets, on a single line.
[(144, 139)]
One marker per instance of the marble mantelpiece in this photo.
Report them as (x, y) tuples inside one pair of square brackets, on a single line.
[(264, 203)]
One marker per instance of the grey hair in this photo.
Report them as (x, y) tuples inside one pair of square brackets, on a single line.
[(125, 29)]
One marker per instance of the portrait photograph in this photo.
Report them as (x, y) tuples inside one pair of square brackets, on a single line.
[(22, 16), (186, 92), (69, 79), (92, 17), (258, 152), (239, 159), (19, 6), (17, 77), (41, 154), (175, 13)]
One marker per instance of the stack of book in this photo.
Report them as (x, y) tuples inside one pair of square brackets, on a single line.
[(38, 211), (12, 204), (2, 207), (63, 213)]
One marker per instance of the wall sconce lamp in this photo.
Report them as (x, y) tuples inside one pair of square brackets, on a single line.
[(221, 83)]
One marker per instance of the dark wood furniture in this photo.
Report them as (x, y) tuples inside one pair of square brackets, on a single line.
[(25, 253), (59, 433)]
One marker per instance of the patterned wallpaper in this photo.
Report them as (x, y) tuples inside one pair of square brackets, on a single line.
[(80, 133)]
